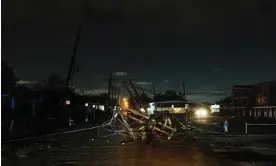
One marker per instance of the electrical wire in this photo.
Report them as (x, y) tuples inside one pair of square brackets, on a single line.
[(114, 126)]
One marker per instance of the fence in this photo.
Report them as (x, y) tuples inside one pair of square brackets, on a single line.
[(254, 124)]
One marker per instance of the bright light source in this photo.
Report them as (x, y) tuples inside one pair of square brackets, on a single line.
[(197, 112), (142, 109), (101, 107), (86, 104), (67, 102), (124, 99), (201, 113), (126, 104)]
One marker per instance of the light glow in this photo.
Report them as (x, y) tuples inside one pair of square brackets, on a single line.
[(201, 113)]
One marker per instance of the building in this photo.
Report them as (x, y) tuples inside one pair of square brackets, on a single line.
[(258, 100), (175, 107), (215, 108)]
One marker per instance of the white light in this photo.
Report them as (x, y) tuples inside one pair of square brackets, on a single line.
[(86, 104), (142, 109), (101, 107), (203, 113)]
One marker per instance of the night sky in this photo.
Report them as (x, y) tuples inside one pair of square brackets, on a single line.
[(211, 44)]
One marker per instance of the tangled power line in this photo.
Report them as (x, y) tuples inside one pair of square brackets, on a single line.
[(138, 126)]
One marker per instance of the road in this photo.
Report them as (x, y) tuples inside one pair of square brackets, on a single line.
[(83, 148)]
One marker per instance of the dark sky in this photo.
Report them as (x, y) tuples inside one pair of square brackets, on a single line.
[(208, 43)]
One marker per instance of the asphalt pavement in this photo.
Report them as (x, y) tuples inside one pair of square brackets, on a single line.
[(188, 148)]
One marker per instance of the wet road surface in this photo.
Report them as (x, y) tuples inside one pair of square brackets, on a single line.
[(83, 149)]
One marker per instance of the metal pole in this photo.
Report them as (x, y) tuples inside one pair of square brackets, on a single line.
[(94, 114), (72, 63), (186, 116), (190, 112), (245, 127)]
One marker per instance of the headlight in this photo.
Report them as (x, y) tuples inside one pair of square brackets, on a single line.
[(197, 112), (201, 113)]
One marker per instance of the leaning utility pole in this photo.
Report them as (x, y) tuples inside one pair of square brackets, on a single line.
[(71, 66), (110, 88)]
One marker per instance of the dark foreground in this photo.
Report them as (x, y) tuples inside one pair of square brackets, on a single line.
[(82, 148)]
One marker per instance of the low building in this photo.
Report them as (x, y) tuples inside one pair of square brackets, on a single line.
[(257, 100), (175, 107), (215, 108)]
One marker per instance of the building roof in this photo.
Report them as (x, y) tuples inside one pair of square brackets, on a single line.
[(253, 85)]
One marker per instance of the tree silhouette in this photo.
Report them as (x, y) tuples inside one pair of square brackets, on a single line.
[(169, 95), (145, 98), (8, 78), (56, 80)]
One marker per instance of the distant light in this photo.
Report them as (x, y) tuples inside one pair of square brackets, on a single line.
[(12, 103), (4, 95), (86, 104), (172, 106), (124, 99), (94, 106), (201, 113), (126, 104), (67, 102), (186, 106), (142, 109), (101, 107)]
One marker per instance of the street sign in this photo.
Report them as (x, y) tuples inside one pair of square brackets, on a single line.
[(186, 106)]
